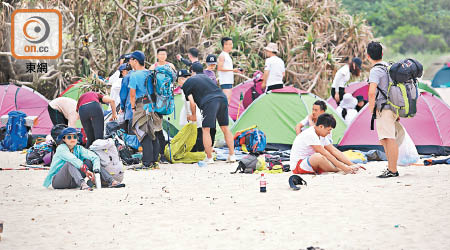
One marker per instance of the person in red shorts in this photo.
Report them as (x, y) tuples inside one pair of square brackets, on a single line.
[(313, 151)]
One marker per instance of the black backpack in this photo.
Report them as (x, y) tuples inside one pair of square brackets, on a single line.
[(247, 164)]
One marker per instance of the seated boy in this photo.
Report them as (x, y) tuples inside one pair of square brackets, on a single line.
[(313, 152)]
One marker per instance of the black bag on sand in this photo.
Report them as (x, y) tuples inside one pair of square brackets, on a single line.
[(247, 164)]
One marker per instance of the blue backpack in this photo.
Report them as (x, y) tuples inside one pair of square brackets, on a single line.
[(162, 79), (252, 140), (16, 137)]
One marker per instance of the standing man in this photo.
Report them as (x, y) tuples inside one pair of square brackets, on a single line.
[(125, 106), (389, 130), (274, 69), (201, 90), (116, 81), (225, 67), (193, 59), (144, 125)]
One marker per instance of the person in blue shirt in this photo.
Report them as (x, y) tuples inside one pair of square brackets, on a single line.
[(125, 105), (72, 163), (144, 124)]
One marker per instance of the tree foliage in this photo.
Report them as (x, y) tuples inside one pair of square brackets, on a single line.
[(313, 36), (407, 26)]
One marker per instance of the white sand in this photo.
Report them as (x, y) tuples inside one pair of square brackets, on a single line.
[(208, 208)]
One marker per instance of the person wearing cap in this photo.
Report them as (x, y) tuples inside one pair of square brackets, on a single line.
[(63, 110), (342, 76), (274, 69), (346, 108), (144, 125), (115, 80), (91, 114), (361, 103), (193, 60), (201, 91), (71, 163), (225, 69), (125, 105), (211, 63)]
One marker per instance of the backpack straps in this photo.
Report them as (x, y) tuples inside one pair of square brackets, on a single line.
[(374, 115)]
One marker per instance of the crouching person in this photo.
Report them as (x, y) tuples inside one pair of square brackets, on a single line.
[(313, 152), (72, 163)]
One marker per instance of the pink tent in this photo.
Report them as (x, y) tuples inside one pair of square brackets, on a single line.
[(356, 89), (27, 100), (429, 129)]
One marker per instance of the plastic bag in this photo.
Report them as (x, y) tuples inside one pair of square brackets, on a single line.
[(407, 152)]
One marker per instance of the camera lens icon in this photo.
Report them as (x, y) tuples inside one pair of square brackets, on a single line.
[(36, 29)]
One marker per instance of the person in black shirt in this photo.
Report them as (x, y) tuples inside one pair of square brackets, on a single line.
[(201, 90), (193, 63)]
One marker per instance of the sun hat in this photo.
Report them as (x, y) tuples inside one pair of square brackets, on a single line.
[(348, 102), (67, 131), (273, 47)]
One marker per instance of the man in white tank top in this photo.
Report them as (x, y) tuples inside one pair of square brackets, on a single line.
[(225, 67)]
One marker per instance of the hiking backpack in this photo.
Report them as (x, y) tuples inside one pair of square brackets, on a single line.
[(16, 135), (35, 154), (247, 164), (162, 79), (252, 140), (109, 157), (402, 91), (125, 151)]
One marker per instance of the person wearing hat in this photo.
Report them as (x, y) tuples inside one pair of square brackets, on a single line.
[(346, 108), (116, 81), (125, 105), (144, 125), (201, 91), (71, 163), (361, 103), (225, 69), (342, 76), (274, 69), (186, 111), (211, 63)]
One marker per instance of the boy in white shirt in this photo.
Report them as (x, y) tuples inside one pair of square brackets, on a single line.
[(313, 152)]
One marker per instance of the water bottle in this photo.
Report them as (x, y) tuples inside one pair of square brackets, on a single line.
[(98, 181), (262, 184), (202, 164)]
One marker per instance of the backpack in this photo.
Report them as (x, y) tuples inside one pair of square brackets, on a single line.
[(252, 140), (125, 152), (247, 164), (162, 79), (402, 90), (16, 135), (35, 154), (109, 157)]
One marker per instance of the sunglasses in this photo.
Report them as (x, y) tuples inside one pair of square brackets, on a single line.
[(70, 137)]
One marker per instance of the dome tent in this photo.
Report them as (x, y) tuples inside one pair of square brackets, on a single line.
[(29, 101), (429, 128), (276, 113), (442, 78)]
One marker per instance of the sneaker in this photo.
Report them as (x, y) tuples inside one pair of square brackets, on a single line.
[(387, 174), (163, 160), (208, 160), (154, 165), (231, 158)]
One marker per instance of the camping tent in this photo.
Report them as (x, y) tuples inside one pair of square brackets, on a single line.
[(27, 100), (429, 129), (362, 89), (73, 91), (442, 77), (236, 92), (277, 113)]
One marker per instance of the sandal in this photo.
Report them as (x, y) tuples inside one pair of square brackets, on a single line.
[(117, 185), (85, 186)]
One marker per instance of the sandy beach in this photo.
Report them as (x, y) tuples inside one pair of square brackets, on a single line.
[(188, 207)]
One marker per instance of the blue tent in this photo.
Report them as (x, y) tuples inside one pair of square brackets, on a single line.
[(442, 77)]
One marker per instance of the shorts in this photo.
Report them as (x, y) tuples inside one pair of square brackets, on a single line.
[(216, 108), (226, 86), (388, 127), (341, 93), (304, 167)]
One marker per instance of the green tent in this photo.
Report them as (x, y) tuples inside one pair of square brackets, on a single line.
[(276, 114), (428, 89)]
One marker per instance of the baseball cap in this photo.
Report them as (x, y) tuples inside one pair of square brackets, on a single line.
[(211, 59), (197, 67), (123, 66), (183, 73), (357, 61), (138, 55)]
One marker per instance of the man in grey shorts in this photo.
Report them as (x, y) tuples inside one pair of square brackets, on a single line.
[(390, 131)]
